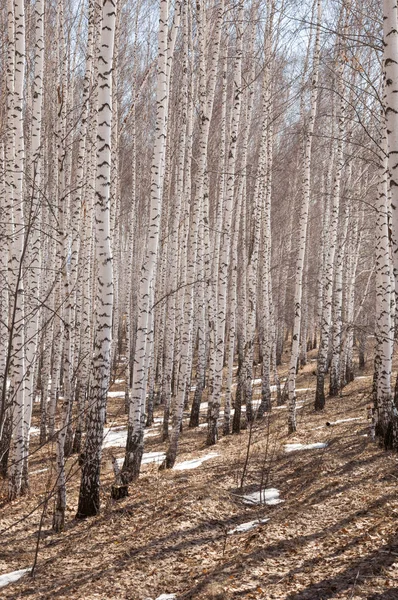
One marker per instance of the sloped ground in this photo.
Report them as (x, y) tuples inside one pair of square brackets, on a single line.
[(334, 536)]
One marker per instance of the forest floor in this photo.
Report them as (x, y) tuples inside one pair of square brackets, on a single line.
[(334, 536)]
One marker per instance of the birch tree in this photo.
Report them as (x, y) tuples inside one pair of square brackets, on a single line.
[(89, 496)]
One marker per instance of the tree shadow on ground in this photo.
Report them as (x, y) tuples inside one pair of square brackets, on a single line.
[(372, 565)]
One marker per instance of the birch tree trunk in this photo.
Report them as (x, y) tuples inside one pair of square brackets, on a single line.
[(18, 373), (225, 243), (390, 64), (89, 496), (328, 274), (384, 328), (144, 340), (303, 224)]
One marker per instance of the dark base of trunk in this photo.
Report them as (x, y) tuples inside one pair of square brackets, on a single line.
[(249, 411), (149, 419), (170, 459), (186, 400), (68, 443), (5, 447), (166, 416), (59, 520), (319, 394), (77, 442), (236, 420), (195, 410), (119, 491), (132, 461), (265, 406), (333, 390), (88, 507), (396, 393), (89, 496), (4, 462), (212, 433)]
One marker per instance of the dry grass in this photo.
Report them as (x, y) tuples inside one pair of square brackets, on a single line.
[(335, 536)]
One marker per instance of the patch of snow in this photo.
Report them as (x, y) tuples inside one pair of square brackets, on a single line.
[(283, 406), (150, 457), (38, 471), (34, 430), (305, 389), (363, 377), (114, 437), (193, 388), (117, 436), (147, 457), (158, 420), (269, 496), (116, 394), (119, 381), (204, 405), (345, 420), (294, 447), (194, 463), (247, 526), (166, 597), (13, 576)]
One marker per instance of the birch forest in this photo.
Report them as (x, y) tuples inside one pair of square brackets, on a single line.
[(198, 299)]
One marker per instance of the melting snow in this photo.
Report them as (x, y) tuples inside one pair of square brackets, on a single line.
[(119, 381), (345, 420), (13, 576), (247, 526), (117, 436), (116, 394), (147, 457), (113, 437), (294, 447), (196, 462), (166, 597), (34, 431), (38, 471), (269, 496), (283, 406), (150, 457)]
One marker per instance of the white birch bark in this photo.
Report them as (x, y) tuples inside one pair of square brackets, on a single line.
[(134, 447), (303, 224), (225, 242), (89, 496), (18, 375), (328, 274), (384, 328)]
